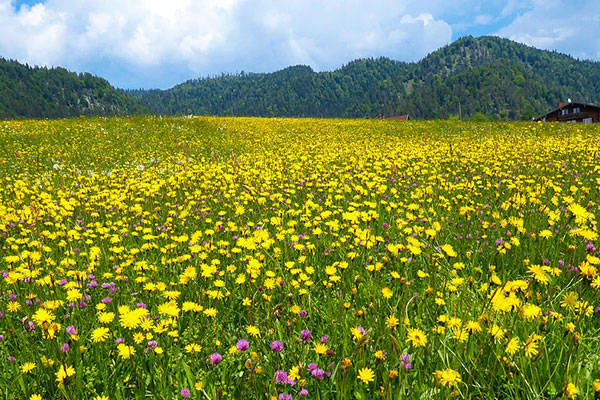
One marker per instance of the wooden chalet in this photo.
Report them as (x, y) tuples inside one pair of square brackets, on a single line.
[(572, 112), (399, 118)]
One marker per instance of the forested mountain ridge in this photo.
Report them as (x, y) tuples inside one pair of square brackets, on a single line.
[(484, 77), (489, 76), (39, 92)]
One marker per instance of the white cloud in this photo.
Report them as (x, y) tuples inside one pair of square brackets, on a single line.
[(483, 19), (199, 37), (569, 27)]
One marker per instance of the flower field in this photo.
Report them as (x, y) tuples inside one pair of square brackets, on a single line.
[(216, 258)]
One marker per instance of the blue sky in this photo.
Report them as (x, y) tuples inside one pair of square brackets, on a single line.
[(157, 43)]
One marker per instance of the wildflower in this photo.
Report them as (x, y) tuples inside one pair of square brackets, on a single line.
[(386, 292), (253, 330), (242, 345), (416, 337), (391, 322), (215, 358), (185, 392), (294, 373), (318, 373), (277, 346), (571, 391), (513, 346), (191, 348), (305, 335), (357, 333), (405, 361), (380, 355), (282, 377), (35, 397), (125, 351), (320, 348), (64, 372), (496, 332), (366, 375), (27, 367), (346, 363), (448, 377), (99, 334)]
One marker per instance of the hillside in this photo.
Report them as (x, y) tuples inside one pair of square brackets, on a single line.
[(34, 92), (496, 77)]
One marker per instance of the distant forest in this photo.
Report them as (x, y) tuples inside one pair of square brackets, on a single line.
[(485, 78), (35, 92), (482, 78)]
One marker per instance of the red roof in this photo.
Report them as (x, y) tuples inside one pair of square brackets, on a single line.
[(399, 117)]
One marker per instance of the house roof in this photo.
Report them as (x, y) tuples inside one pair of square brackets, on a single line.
[(399, 117), (570, 104)]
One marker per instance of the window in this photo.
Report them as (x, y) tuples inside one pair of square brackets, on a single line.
[(576, 110), (587, 120), (564, 111)]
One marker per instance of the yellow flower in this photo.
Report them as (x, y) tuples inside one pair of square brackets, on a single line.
[(320, 348), (27, 367), (253, 330), (391, 322), (106, 317), (132, 319), (35, 397), (366, 375), (101, 397), (125, 351), (386, 292), (356, 333), (571, 391), (449, 250), (513, 346), (194, 348), (63, 373), (448, 377), (496, 332), (42, 315), (100, 334), (294, 373), (416, 337)]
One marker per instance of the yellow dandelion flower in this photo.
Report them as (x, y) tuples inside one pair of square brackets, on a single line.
[(99, 334), (416, 337), (366, 375), (27, 367), (64, 372), (320, 348)]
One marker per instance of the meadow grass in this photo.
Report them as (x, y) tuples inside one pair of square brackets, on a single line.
[(246, 258)]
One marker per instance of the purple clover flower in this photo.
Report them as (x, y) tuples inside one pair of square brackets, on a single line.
[(277, 346), (242, 345)]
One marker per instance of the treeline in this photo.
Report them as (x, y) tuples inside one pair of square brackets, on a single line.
[(39, 92), (483, 78), (362, 87), (488, 76)]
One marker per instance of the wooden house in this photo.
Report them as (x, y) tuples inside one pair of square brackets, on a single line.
[(399, 118), (572, 112)]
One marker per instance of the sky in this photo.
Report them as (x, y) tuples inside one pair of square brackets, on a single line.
[(158, 44)]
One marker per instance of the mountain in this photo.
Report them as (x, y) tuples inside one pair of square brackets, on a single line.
[(486, 76), (35, 92)]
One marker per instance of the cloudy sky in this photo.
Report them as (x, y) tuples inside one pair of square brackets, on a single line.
[(157, 44)]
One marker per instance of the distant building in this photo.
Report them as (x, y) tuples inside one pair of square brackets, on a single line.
[(399, 117), (572, 112)]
